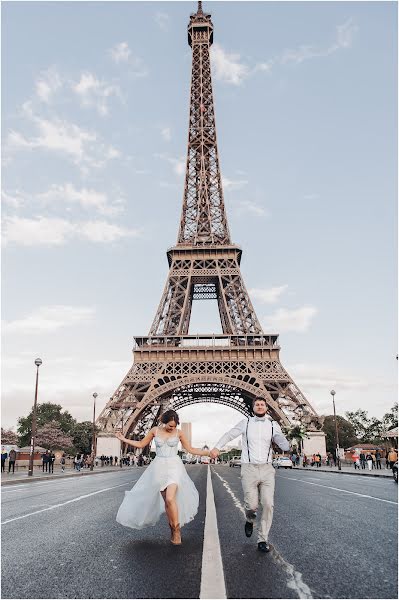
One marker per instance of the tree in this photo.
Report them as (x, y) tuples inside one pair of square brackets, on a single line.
[(359, 421), (390, 419), (82, 434), (45, 413), (9, 437), (296, 434), (346, 433), (51, 436)]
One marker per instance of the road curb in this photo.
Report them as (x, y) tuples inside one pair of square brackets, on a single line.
[(49, 477)]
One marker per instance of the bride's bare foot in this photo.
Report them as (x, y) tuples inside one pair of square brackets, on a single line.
[(176, 536)]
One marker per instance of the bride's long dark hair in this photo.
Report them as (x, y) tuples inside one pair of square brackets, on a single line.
[(170, 415)]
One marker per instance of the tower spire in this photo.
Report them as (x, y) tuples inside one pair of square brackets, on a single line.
[(203, 220)]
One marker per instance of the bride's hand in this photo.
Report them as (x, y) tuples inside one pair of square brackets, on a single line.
[(120, 436)]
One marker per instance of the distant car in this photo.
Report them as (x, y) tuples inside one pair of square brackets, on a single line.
[(395, 472), (235, 461), (282, 461), (205, 460)]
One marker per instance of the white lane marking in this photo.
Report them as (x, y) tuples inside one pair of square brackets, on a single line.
[(295, 581), (64, 503), (329, 487), (212, 575)]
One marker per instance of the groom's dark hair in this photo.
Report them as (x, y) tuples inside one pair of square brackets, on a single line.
[(255, 399)]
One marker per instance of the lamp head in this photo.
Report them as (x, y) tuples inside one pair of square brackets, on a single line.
[(332, 393), (38, 362), (95, 395)]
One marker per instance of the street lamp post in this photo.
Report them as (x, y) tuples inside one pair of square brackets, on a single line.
[(336, 433), (38, 362), (120, 457), (93, 443)]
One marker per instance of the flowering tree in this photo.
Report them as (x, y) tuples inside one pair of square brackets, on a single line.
[(52, 437), (9, 437)]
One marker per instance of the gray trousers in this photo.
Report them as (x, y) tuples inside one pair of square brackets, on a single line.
[(258, 486)]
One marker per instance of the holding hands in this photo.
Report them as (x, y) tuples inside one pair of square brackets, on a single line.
[(120, 436)]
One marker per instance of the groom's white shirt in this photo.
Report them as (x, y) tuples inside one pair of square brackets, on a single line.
[(259, 439)]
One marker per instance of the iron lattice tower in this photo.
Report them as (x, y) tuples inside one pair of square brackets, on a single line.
[(172, 368)]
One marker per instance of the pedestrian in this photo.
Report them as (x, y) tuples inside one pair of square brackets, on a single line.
[(305, 460), (369, 460), (51, 462), (318, 459), (297, 460), (12, 457), (4, 455), (392, 458), (378, 459), (166, 476), (45, 461), (116, 460), (111, 458), (363, 460), (77, 463), (62, 461), (356, 460), (293, 458), (373, 459), (257, 473)]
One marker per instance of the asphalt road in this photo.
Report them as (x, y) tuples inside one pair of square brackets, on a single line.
[(333, 536)]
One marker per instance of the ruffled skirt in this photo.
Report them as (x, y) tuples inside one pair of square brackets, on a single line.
[(143, 504)]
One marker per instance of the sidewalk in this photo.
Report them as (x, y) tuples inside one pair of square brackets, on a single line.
[(21, 476), (346, 470)]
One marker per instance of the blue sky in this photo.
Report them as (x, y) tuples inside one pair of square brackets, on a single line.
[(95, 113)]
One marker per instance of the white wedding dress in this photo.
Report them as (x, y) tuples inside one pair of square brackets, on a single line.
[(143, 504)]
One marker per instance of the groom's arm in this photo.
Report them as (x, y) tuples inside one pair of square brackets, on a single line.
[(231, 435), (279, 438)]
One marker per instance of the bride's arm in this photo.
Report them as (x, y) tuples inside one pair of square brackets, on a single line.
[(141, 444), (188, 448)]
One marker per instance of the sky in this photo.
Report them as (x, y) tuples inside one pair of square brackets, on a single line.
[(95, 100)]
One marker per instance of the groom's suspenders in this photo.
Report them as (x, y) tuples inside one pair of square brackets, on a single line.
[(270, 446)]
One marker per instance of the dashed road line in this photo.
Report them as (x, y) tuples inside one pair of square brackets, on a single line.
[(294, 577)]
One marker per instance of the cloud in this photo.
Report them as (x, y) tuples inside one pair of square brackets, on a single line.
[(268, 295), (166, 134), (48, 319), (43, 231), (93, 92), (121, 54), (15, 200), (230, 184), (250, 208), (83, 147), (283, 319), (86, 198), (227, 67), (230, 68), (47, 84), (162, 20), (344, 37), (178, 164)]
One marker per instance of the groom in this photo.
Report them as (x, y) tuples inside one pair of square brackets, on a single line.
[(257, 473)]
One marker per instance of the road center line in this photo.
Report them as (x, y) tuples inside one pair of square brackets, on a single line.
[(295, 581), (64, 503), (329, 487), (212, 575)]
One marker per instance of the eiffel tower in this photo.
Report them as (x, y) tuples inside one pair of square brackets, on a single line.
[(172, 369)]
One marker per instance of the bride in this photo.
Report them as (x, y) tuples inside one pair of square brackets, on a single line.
[(165, 484)]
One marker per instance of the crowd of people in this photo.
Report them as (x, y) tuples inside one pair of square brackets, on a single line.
[(364, 460)]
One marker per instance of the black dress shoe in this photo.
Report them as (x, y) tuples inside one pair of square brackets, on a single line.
[(263, 547), (249, 527)]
